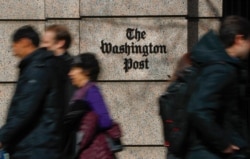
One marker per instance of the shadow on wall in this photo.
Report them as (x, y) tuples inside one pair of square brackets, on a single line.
[(213, 8)]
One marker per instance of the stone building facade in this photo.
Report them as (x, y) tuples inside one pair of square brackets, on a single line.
[(137, 42)]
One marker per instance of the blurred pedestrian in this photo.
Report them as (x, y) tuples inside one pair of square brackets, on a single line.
[(218, 123), (33, 128), (96, 127), (57, 38)]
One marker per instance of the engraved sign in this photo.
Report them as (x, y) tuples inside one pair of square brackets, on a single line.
[(130, 48), (135, 48)]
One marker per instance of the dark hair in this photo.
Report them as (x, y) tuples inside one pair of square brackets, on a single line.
[(61, 33), (183, 62), (26, 31), (88, 62), (232, 26)]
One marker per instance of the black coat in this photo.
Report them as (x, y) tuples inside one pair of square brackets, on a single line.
[(33, 128), (66, 60), (215, 113)]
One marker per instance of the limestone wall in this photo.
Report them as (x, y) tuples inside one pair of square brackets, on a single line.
[(157, 32)]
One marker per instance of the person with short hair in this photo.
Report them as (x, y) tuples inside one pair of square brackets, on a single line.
[(57, 38), (84, 70), (93, 143), (33, 129), (217, 120)]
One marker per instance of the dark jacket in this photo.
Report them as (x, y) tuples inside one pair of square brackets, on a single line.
[(34, 122), (66, 60), (82, 124), (215, 112), (94, 143), (85, 138)]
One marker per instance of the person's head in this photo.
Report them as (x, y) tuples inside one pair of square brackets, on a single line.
[(56, 38), (234, 33), (24, 41), (182, 63), (85, 67)]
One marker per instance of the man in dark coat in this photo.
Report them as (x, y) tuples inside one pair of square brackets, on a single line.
[(33, 129), (57, 39), (218, 126)]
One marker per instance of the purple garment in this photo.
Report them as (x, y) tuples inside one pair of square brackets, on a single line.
[(91, 93)]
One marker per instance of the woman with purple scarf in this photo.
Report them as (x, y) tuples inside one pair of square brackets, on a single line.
[(96, 124)]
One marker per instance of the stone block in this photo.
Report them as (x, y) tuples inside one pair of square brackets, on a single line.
[(132, 8), (62, 9), (143, 153), (6, 91), (205, 25), (201, 27), (210, 8), (74, 28), (24, 9), (135, 106), (135, 48), (8, 63)]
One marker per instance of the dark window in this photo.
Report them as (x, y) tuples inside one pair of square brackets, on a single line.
[(236, 7)]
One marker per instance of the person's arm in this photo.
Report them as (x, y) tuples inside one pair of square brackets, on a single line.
[(25, 105), (98, 105), (205, 104)]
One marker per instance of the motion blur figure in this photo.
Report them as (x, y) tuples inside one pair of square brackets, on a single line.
[(218, 126), (94, 126), (57, 38), (33, 129)]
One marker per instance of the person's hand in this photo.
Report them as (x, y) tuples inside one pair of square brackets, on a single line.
[(231, 149)]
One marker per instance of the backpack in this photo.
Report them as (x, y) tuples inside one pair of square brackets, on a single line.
[(173, 105), (173, 110)]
